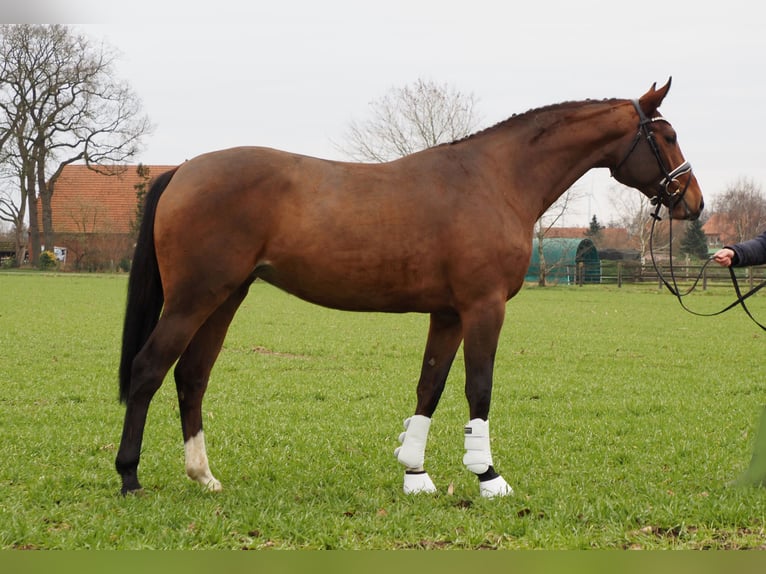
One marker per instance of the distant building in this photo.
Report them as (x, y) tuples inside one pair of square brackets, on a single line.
[(609, 237), (93, 215), (719, 231), (565, 247)]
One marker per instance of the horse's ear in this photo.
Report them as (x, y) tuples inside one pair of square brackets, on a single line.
[(652, 99)]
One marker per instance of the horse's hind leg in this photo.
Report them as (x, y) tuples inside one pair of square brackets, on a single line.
[(191, 375), (444, 338), (168, 340)]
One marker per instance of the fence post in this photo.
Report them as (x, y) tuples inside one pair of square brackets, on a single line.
[(580, 273), (619, 274)]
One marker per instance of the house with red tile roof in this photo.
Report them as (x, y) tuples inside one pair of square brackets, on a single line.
[(94, 213), (719, 231)]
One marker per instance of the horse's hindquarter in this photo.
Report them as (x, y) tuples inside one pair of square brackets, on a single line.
[(403, 236)]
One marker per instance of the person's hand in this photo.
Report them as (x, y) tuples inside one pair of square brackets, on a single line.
[(723, 257)]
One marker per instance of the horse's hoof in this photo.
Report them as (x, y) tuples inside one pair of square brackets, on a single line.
[(130, 485), (207, 481), (416, 483), (133, 492), (495, 487)]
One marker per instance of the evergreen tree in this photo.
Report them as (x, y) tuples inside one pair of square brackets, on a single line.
[(594, 230), (141, 188), (694, 242)]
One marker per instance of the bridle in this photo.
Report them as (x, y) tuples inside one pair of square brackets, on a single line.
[(670, 199), (664, 196)]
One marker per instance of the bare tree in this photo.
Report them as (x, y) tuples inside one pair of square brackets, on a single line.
[(634, 214), (60, 103), (742, 206), (12, 210), (409, 119)]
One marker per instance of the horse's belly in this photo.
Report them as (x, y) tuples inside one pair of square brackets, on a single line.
[(358, 289)]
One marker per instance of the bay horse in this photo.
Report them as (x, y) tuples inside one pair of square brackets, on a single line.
[(445, 231)]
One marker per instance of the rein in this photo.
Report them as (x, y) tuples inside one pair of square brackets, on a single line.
[(673, 287)]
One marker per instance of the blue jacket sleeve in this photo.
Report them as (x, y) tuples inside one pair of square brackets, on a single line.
[(751, 252)]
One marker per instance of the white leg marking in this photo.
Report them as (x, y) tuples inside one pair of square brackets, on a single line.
[(197, 467)]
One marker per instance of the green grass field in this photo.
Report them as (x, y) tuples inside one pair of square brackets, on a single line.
[(618, 418)]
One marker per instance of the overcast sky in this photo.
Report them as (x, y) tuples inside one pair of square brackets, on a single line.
[(292, 74)]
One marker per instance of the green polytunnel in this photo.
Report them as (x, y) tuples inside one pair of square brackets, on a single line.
[(562, 258)]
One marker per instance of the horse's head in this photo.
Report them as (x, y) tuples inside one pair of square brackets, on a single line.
[(652, 162)]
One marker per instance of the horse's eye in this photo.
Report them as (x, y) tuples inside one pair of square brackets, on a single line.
[(671, 139)]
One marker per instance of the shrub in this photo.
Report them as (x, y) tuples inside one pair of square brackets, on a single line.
[(47, 260)]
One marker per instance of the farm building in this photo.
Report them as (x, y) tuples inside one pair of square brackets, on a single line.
[(94, 215), (613, 237), (7, 249), (562, 258), (719, 231)]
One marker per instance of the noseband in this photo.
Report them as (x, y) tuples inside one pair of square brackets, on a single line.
[(665, 196)]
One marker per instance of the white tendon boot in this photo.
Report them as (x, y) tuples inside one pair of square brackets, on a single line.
[(412, 455), (478, 459)]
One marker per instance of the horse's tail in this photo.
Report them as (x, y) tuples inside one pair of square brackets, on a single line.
[(145, 296)]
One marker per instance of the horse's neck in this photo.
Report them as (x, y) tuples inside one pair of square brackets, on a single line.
[(549, 150)]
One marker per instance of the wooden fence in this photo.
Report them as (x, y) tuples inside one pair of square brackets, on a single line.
[(633, 272)]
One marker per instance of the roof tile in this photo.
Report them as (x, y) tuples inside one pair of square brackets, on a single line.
[(85, 201)]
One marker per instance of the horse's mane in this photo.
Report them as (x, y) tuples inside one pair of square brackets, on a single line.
[(529, 114)]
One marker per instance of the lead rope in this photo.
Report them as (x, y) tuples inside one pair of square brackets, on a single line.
[(673, 288)]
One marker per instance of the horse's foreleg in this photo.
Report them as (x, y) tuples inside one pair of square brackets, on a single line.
[(444, 338), (481, 329), (192, 374)]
